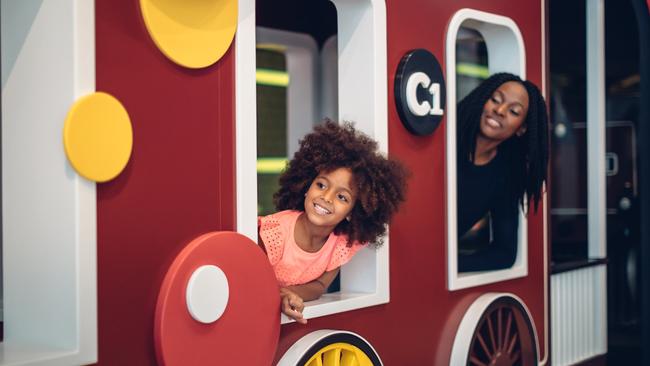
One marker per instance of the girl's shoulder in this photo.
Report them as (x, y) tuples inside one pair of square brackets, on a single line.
[(274, 231), (283, 218), (343, 251)]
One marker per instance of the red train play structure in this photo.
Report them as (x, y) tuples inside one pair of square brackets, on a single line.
[(133, 241)]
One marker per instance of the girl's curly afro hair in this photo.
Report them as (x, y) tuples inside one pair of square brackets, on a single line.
[(380, 182)]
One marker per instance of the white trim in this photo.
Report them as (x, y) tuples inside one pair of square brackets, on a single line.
[(363, 94), (467, 327), (298, 349), (596, 167), (329, 93), (301, 54), (543, 62), (50, 276), (246, 121), (502, 37)]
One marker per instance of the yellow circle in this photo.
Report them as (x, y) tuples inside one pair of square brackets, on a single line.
[(192, 33), (97, 137), (339, 354)]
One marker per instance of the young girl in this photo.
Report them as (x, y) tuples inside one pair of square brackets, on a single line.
[(502, 160), (336, 196)]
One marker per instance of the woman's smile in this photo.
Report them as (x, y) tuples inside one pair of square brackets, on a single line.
[(492, 122)]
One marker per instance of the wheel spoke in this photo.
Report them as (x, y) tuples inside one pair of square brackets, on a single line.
[(332, 357), (491, 331), (476, 361), (482, 342), (508, 326), (348, 358), (512, 343), (499, 328), (318, 361)]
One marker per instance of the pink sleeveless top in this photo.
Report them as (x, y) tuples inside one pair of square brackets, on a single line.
[(293, 265)]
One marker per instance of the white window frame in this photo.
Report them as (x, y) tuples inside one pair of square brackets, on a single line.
[(49, 211), (362, 98), (329, 93), (301, 55), (503, 40)]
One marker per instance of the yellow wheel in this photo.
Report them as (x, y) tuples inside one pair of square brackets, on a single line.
[(331, 348), (339, 354)]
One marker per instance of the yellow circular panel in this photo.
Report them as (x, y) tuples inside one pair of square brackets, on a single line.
[(98, 137), (192, 33), (339, 354)]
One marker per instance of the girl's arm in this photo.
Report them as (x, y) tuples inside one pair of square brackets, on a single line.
[(293, 297), (316, 288)]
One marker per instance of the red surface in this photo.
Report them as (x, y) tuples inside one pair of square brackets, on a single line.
[(179, 182), (253, 304), (419, 324)]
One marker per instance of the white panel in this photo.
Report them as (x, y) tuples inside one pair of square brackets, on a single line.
[(329, 100), (246, 121), (579, 315), (362, 66), (49, 212), (597, 199)]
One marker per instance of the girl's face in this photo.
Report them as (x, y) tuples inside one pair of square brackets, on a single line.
[(505, 112), (330, 198)]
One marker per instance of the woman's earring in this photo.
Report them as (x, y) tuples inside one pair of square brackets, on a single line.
[(348, 218)]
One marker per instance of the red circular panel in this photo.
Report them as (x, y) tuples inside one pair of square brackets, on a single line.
[(248, 331)]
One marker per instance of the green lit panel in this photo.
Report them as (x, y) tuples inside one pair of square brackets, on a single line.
[(472, 70), (272, 78), (271, 165)]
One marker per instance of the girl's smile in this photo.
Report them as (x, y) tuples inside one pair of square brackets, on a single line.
[(321, 210)]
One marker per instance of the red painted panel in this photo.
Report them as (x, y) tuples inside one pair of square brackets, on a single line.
[(253, 303), (419, 324), (178, 184)]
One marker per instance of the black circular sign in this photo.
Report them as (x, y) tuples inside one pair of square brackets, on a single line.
[(420, 92)]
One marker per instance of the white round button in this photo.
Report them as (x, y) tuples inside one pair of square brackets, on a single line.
[(207, 294)]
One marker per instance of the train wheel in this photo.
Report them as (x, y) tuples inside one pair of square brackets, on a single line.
[(329, 348), (496, 330)]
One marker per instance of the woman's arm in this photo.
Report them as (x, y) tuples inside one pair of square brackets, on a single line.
[(502, 251)]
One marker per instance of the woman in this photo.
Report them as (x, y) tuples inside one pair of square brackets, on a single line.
[(502, 162)]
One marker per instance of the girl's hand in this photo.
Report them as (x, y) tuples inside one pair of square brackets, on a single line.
[(292, 305)]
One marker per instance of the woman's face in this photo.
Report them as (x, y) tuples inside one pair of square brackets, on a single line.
[(330, 198), (504, 113)]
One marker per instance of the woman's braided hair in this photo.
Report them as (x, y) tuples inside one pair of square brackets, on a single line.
[(528, 154), (380, 182)]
